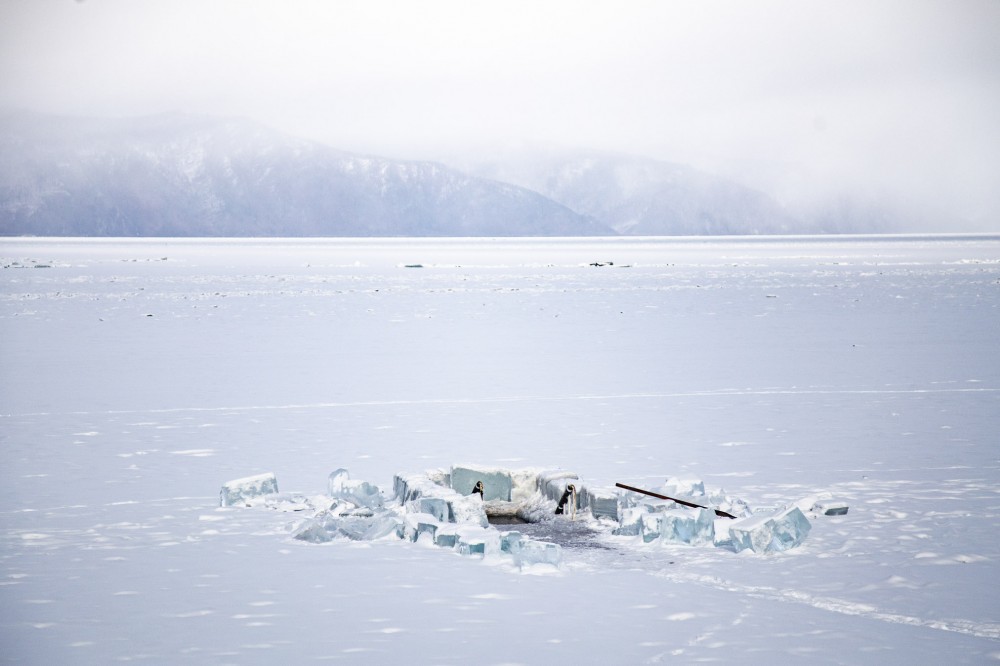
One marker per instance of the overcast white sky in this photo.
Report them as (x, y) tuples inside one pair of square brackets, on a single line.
[(794, 95)]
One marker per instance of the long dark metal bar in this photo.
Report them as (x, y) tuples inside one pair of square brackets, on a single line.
[(718, 512)]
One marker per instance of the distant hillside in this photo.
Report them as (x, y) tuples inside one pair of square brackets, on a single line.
[(181, 175), (640, 196), (185, 175)]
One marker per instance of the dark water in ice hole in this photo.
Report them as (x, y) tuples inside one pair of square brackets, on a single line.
[(559, 530)]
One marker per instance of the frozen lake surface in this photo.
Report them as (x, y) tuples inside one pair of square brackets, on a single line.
[(139, 375)]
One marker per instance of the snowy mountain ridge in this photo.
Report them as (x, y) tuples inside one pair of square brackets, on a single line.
[(642, 196), (188, 175), (179, 175)]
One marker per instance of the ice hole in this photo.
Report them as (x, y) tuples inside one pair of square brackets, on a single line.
[(505, 519), (499, 512)]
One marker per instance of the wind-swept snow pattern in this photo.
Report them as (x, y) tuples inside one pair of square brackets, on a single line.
[(790, 375)]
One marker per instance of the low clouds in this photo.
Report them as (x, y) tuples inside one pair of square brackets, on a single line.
[(803, 99)]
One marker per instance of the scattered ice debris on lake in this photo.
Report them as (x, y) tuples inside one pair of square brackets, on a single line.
[(830, 508), (467, 507)]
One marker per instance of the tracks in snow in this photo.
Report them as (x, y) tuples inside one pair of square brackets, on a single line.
[(834, 605)]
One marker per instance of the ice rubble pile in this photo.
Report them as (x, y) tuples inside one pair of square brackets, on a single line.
[(664, 521), (442, 507)]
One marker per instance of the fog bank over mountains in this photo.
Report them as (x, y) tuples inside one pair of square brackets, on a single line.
[(643, 197), (187, 175), (180, 175)]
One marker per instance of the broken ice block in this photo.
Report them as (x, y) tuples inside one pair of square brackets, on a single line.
[(528, 552), (436, 506), (650, 527), (723, 539), (368, 528), (242, 491), (497, 483), (477, 540), (445, 538), (468, 510), (383, 526), (771, 531), (335, 482), (603, 502), (731, 505), (690, 526), (407, 486), (509, 541), (416, 524), (325, 527), (630, 523), (340, 486), (315, 530), (468, 546)]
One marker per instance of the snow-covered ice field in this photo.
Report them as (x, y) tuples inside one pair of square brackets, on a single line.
[(139, 375)]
